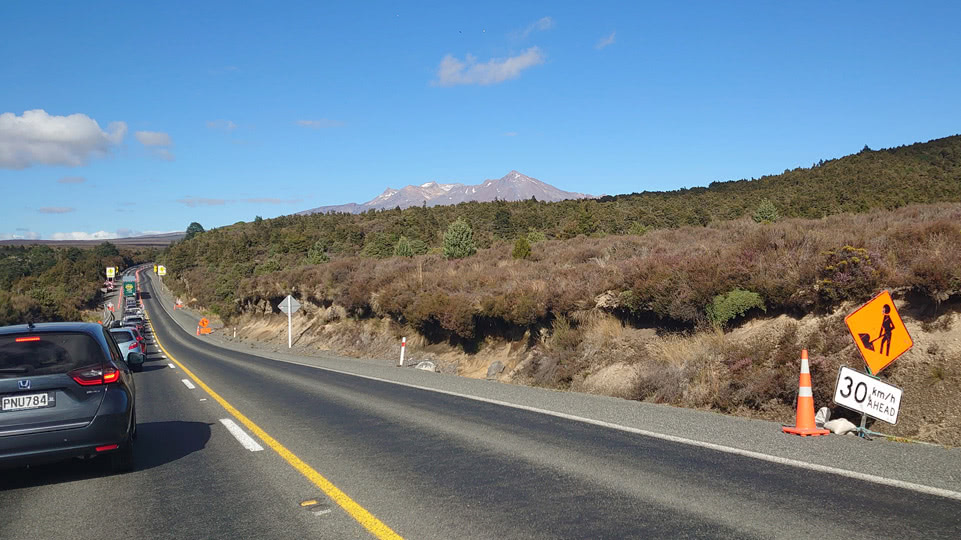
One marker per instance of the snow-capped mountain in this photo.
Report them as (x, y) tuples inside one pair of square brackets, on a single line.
[(512, 187)]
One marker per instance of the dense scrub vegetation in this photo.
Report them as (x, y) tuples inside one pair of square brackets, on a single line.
[(41, 283), (705, 242), (679, 278)]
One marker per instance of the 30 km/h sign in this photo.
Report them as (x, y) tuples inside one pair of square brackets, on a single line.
[(878, 332), (867, 395)]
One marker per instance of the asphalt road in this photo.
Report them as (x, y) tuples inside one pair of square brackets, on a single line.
[(423, 465)]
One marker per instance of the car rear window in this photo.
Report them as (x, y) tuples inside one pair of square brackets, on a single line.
[(46, 353), (123, 335)]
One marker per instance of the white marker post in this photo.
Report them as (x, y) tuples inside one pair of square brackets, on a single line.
[(403, 347), (289, 306)]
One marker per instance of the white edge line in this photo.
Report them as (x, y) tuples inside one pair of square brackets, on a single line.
[(919, 488), (172, 366), (245, 440), (188, 384)]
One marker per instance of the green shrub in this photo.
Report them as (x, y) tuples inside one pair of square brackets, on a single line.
[(522, 248), (638, 229), (732, 305), (403, 248), (317, 254), (765, 212), (534, 236), (459, 240)]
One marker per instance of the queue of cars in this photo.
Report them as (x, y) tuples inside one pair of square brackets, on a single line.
[(67, 390)]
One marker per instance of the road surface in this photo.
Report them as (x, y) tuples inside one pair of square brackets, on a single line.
[(371, 458)]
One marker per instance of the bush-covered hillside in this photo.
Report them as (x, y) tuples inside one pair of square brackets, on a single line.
[(222, 266), (42, 283)]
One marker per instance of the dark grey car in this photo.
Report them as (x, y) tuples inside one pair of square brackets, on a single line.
[(65, 391)]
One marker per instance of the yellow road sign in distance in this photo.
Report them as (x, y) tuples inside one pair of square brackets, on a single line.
[(155, 268), (879, 332), (161, 270)]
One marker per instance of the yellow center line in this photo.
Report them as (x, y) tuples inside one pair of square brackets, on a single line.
[(356, 511)]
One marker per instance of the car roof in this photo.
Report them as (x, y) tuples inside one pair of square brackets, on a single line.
[(52, 327)]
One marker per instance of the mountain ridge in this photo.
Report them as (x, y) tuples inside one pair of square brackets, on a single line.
[(513, 186)]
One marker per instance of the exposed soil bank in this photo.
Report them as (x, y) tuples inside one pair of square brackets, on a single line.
[(750, 371)]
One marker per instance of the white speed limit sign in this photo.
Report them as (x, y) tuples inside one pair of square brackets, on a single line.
[(865, 394)]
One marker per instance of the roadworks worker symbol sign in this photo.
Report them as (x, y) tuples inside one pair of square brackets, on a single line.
[(878, 332)]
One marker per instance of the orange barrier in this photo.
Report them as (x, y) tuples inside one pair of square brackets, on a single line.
[(804, 421)]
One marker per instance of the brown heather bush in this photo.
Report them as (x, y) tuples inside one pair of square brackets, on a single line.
[(669, 275)]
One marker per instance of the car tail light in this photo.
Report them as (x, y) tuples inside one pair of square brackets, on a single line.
[(133, 345), (95, 375), (139, 338), (107, 447)]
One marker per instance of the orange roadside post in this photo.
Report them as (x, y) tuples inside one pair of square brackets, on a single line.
[(804, 421)]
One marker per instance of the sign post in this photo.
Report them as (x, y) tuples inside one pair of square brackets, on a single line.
[(881, 337), (289, 306)]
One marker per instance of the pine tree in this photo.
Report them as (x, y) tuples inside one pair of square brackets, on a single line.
[(459, 240)]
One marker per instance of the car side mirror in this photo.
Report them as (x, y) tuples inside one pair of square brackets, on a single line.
[(135, 359)]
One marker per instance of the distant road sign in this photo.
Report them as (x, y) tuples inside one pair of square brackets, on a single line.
[(155, 268), (111, 271), (203, 322), (289, 305), (161, 270), (879, 332), (867, 395)]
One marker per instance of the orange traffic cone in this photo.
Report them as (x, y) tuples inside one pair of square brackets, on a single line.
[(805, 404), (198, 333)]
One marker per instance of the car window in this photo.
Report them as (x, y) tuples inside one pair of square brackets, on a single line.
[(46, 353), (123, 335)]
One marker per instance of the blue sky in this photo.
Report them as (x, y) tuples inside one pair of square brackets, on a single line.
[(126, 117)]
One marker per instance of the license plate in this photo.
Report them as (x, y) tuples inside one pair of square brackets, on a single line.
[(26, 401)]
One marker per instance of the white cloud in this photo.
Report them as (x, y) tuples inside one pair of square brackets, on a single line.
[(158, 142), (55, 210), (99, 235), (225, 125), (21, 234), (453, 72), (510, 134), (322, 123), (72, 180), (153, 138), (544, 23), (605, 41), (37, 138), (194, 202)]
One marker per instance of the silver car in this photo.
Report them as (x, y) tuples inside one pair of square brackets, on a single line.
[(127, 342)]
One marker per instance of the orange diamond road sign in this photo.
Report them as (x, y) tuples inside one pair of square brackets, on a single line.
[(878, 332), (204, 322)]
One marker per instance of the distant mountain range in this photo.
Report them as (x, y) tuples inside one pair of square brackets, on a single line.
[(147, 240), (512, 187)]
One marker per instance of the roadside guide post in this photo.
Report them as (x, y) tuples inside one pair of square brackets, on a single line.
[(865, 393), (289, 306), (403, 347)]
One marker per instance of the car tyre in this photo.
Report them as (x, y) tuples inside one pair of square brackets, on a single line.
[(121, 461)]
